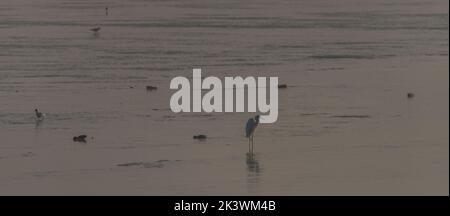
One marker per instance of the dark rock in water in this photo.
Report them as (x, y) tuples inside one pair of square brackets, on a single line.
[(81, 138), (151, 88), (410, 95), (282, 86), (200, 137)]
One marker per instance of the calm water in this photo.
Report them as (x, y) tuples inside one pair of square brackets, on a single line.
[(345, 125)]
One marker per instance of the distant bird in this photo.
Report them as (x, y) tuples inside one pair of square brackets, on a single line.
[(39, 116), (151, 88), (96, 29), (250, 128), (410, 95), (199, 137), (80, 138)]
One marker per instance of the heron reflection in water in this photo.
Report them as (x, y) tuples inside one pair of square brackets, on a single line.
[(254, 173), (252, 163)]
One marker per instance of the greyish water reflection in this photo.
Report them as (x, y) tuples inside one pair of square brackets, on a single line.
[(254, 172)]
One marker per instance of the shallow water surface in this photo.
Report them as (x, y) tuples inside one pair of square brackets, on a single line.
[(345, 125)]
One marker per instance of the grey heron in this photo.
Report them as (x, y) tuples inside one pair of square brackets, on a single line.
[(250, 128)]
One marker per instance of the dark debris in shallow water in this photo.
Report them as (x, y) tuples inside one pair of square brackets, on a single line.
[(151, 88), (80, 138), (155, 164), (282, 86), (312, 114), (199, 137), (28, 154), (351, 116)]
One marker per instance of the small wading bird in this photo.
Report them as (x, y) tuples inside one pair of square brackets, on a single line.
[(252, 123), (39, 116)]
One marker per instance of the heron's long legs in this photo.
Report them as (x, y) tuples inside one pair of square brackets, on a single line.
[(251, 143)]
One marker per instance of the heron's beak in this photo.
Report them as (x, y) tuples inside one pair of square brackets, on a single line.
[(260, 118)]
